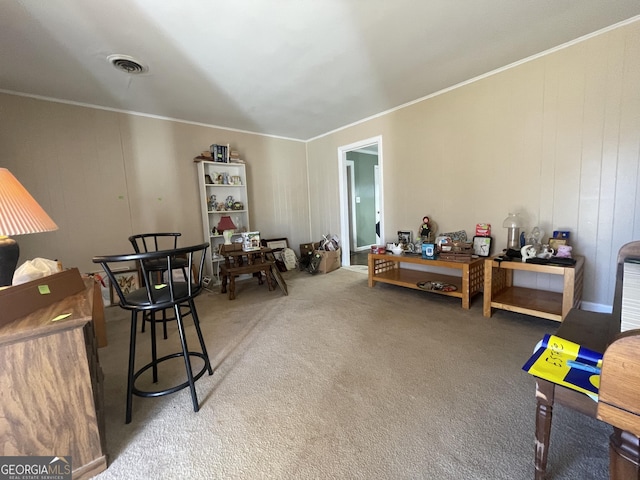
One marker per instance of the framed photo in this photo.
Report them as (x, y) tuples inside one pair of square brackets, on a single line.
[(556, 242), (276, 243), (404, 236), (127, 280), (482, 246)]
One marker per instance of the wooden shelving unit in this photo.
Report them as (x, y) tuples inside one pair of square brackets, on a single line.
[(500, 293), (387, 268), (211, 176)]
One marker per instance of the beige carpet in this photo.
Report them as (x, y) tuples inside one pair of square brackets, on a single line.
[(342, 381)]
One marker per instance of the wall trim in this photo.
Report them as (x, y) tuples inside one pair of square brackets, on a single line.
[(140, 114), (488, 74)]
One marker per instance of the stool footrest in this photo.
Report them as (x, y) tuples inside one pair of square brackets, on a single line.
[(167, 391)]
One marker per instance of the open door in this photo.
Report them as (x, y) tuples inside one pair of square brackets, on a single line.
[(361, 202)]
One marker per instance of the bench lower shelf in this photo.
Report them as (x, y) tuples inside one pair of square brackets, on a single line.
[(539, 303)]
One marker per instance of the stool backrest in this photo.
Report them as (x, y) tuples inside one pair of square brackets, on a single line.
[(153, 242), (152, 296)]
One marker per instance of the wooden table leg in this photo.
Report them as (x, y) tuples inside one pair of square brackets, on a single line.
[(466, 288), (488, 274), (624, 456), (232, 287), (544, 412), (223, 285)]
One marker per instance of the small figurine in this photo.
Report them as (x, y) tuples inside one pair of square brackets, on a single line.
[(547, 252), (425, 229), (527, 252), (229, 202)]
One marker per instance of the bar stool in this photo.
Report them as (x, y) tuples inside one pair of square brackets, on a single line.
[(154, 297), (153, 242)]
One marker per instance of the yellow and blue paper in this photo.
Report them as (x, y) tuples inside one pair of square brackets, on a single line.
[(552, 361)]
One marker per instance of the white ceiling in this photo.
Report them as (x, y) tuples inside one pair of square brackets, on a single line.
[(290, 68)]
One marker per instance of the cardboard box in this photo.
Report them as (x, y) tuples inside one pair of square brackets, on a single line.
[(330, 260)]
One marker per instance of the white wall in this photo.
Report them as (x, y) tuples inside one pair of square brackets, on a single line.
[(556, 138)]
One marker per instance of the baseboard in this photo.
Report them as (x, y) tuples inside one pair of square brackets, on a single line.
[(596, 307)]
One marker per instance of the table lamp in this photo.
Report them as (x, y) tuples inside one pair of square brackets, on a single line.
[(19, 214), (226, 226), (513, 223)]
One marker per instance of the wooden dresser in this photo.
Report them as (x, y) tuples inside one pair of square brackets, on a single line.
[(51, 383)]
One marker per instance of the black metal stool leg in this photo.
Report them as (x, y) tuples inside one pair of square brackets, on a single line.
[(196, 322), (154, 347), (132, 359), (164, 323), (187, 361)]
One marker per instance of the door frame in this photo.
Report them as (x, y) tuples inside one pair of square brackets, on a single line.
[(344, 194), (353, 219)]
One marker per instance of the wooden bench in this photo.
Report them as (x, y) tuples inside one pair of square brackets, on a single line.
[(237, 262)]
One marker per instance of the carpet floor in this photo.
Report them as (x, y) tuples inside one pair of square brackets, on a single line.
[(341, 381)]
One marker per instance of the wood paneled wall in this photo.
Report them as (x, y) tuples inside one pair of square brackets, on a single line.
[(103, 176), (556, 138)]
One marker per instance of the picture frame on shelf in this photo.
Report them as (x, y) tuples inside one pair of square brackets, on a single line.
[(277, 246), (128, 281), (405, 237), (556, 242), (482, 246)]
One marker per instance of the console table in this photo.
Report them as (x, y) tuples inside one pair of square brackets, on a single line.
[(51, 400), (387, 268), (500, 293)]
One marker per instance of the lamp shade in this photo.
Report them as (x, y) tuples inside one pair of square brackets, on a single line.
[(225, 223), (19, 212), (512, 221)]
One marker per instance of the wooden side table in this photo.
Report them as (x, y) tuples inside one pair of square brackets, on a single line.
[(500, 293), (387, 268)]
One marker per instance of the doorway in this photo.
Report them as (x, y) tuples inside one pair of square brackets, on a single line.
[(361, 203)]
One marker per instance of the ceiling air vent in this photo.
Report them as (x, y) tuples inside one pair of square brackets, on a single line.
[(127, 64)]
